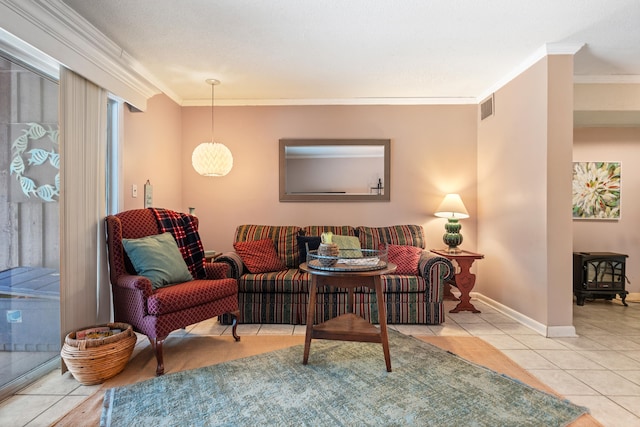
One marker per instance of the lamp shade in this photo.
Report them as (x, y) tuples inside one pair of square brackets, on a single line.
[(452, 207), (212, 159)]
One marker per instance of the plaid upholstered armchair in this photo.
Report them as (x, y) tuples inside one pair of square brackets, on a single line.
[(153, 290)]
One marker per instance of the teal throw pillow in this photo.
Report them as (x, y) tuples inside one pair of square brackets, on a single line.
[(158, 258)]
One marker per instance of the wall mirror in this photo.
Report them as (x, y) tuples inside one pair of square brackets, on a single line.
[(334, 170)]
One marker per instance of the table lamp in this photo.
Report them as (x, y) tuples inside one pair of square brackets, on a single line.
[(453, 209)]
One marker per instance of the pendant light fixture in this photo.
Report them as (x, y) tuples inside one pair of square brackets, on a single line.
[(212, 158)]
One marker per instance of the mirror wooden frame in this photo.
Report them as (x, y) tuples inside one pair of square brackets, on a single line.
[(334, 197)]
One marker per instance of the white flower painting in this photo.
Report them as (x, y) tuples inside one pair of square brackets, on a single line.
[(596, 190)]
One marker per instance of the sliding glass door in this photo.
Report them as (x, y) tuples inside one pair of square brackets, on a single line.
[(29, 225)]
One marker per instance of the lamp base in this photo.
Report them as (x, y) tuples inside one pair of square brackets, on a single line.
[(452, 238), (454, 250)]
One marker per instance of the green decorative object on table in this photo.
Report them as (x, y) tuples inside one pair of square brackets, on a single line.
[(452, 237)]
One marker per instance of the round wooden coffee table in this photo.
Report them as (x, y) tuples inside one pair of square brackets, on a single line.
[(349, 326)]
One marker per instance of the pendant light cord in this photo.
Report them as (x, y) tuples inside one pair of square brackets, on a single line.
[(212, 98)]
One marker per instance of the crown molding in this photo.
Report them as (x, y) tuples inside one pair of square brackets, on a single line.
[(561, 48), (607, 79), (545, 50), (328, 101), (57, 30), (28, 55), (38, 28)]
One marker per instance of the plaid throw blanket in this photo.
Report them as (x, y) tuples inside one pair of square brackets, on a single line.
[(183, 229)]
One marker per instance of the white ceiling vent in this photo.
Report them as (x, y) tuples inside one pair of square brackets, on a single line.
[(486, 108)]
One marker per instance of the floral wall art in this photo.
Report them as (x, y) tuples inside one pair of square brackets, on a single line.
[(596, 190)]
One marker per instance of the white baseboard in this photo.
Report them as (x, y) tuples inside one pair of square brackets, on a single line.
[(633, 296), (561, 332), (544, 330)]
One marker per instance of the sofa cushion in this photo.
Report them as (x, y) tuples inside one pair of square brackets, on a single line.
[(190, 294), (295, 281), (283, 237), (292, 280), (371, 237), (312, 241), (404, 284), (157, 258), (259, 256), (404, 256)]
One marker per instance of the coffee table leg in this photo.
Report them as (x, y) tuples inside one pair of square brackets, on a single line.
[(311, 311), (382, 319)]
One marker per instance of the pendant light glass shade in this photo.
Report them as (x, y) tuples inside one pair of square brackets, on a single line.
[(212, 158)]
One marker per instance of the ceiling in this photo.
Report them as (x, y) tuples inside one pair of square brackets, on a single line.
[(361, 51)]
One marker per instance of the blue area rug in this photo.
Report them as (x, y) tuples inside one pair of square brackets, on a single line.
[(345, 383)]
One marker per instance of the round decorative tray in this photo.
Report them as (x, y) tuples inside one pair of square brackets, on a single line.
[(349, 260)]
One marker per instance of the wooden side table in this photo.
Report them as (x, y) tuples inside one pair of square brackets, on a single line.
[(350, 326), (465, 280)]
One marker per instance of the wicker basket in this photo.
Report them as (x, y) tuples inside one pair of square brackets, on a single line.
[(96, 360)]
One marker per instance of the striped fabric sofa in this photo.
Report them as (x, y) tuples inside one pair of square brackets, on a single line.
[(282, 296)]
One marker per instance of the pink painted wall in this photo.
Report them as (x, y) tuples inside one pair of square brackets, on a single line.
[(433, 152), (559, 154), (513, 163), (613, 145), (524, 188), (152, 151), (512, 195)]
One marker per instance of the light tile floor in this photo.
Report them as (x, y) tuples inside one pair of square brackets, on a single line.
[(599, 369)]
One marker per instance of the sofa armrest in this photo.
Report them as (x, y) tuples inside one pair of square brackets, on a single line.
[(136, 283), (435, 269), (216, 270), (233, 260)]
